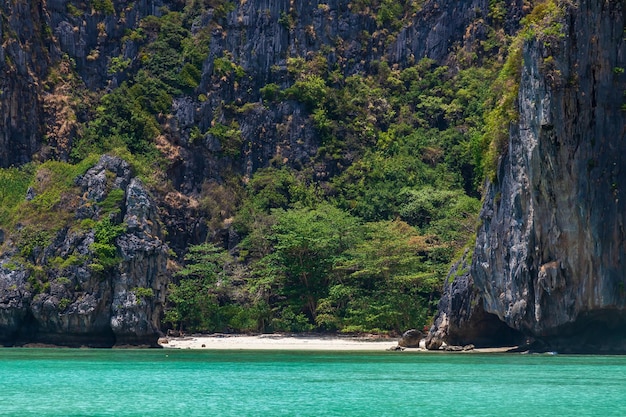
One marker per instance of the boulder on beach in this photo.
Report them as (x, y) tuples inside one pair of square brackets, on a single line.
[(411, 339)]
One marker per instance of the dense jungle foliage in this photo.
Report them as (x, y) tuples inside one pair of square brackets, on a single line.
[(364, 249)]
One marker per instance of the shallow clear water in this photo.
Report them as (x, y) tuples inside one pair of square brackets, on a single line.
[(66, 382)]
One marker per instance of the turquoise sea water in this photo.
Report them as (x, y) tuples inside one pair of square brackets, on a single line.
[(77, 382)]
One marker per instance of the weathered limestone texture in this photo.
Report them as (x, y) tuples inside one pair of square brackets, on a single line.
[(550, 257), (90, 302)]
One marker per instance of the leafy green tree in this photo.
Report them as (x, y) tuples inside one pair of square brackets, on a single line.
[(449, 214), (385, 282), (194, 303), (307, 244)]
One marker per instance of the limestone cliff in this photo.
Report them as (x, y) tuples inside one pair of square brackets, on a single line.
[(94, 283), (549, 256), (550, 259), (74, 286), (21, 107), (461, 318), (260, 36), (39, 40)]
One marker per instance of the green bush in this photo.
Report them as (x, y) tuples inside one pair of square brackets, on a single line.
[(504, 110), (103, 248), (32, 241), (190, 76), (229, 137), (105, 6), (14, 183), (142, 292), (64, 304), (311, 90), (224, 67), (271, 92)]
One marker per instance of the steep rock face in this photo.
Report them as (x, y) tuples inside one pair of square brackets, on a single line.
[(23, 62), (38, 36), (135, 315), (260, 36), (99, 286), (461, 317), (550, 259), (92, 36)]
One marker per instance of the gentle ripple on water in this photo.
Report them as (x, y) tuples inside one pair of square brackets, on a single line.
[(66, 382)]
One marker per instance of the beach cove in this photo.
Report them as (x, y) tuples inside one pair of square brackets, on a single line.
[(295, 342)]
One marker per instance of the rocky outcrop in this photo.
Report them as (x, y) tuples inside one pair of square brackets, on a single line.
[(550, 259), (461, 318), (100, 285), (23, 63), (260, 37), (45, 40), (139, 291)]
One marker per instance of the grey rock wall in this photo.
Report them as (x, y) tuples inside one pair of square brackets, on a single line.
[(36, 36), (23, 62), (461, 317), (261, 35), (81, 304), (550, 256)]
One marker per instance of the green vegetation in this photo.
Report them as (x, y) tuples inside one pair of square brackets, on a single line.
[(104, 6), (357, 239), (545, 21), (14, 183), (504, 110), (368, 250), (73, 10), (543, 24), (128, 119), (388, 13), (195, 299), (52, 192), (228, 136), (365, 246), (51, 207), (142, 293), (64, 304), (103, 248)]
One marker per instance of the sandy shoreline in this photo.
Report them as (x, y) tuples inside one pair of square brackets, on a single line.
[(277, 342), (291, 342)]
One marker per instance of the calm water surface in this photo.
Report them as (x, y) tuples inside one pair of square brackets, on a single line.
[(68, 382)]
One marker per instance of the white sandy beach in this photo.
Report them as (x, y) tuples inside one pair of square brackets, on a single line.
[(295, 342), (278, 342)]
